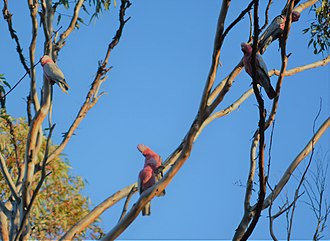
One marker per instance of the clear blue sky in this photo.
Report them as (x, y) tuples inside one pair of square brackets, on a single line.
[(154, 89)]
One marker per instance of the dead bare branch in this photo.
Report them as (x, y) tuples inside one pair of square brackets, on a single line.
[(266, 15), (8, 17)]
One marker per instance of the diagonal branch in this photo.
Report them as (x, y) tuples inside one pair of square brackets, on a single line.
[(4, 209), (8, 178), (223, 87), (305, 5), (7, 16), (67, 32), (266, 15), (130, 194), (96, 212), (239, 18), (294, 164), (156, 189)]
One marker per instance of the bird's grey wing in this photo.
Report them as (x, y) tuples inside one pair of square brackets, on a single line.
[(53, 72)]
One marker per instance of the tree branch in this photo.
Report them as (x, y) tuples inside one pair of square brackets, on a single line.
[(67, 32), (7, 16), (223, 87), (96, 212), (33, 6), (239, 18), (266, 15), (8, 178), (293, 71), (287, 174), (215, 58), (130, 194), (305, 5)]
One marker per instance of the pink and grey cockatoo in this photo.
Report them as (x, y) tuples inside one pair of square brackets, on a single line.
[(275, 30), (146, 180), (153, 160), (261, 70), (53, 73)]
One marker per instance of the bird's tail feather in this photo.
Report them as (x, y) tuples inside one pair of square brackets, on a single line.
[(146, 210), (64, 86), (270, 92)]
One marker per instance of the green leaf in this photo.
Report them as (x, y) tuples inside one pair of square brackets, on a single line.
[(65, 3), (7, 84), (310, 42), (59, 19), (106, 4), (85, 9), (80, 20)]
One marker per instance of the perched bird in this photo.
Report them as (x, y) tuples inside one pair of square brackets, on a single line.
[(146, 179), (275, 30), (261, 70), (53, 73), (153, 160)]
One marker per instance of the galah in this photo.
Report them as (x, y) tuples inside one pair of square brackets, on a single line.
[(146, 180), (275, 30), (53, 73), (261, 70), (153, 160)]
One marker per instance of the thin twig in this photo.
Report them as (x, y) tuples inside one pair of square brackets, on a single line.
[(129, 196), (19, 81), (71, 26), (239, 18), (7, 16), (271, 221), (303, 175), (269, 154), (8, 178), (266, 15)]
